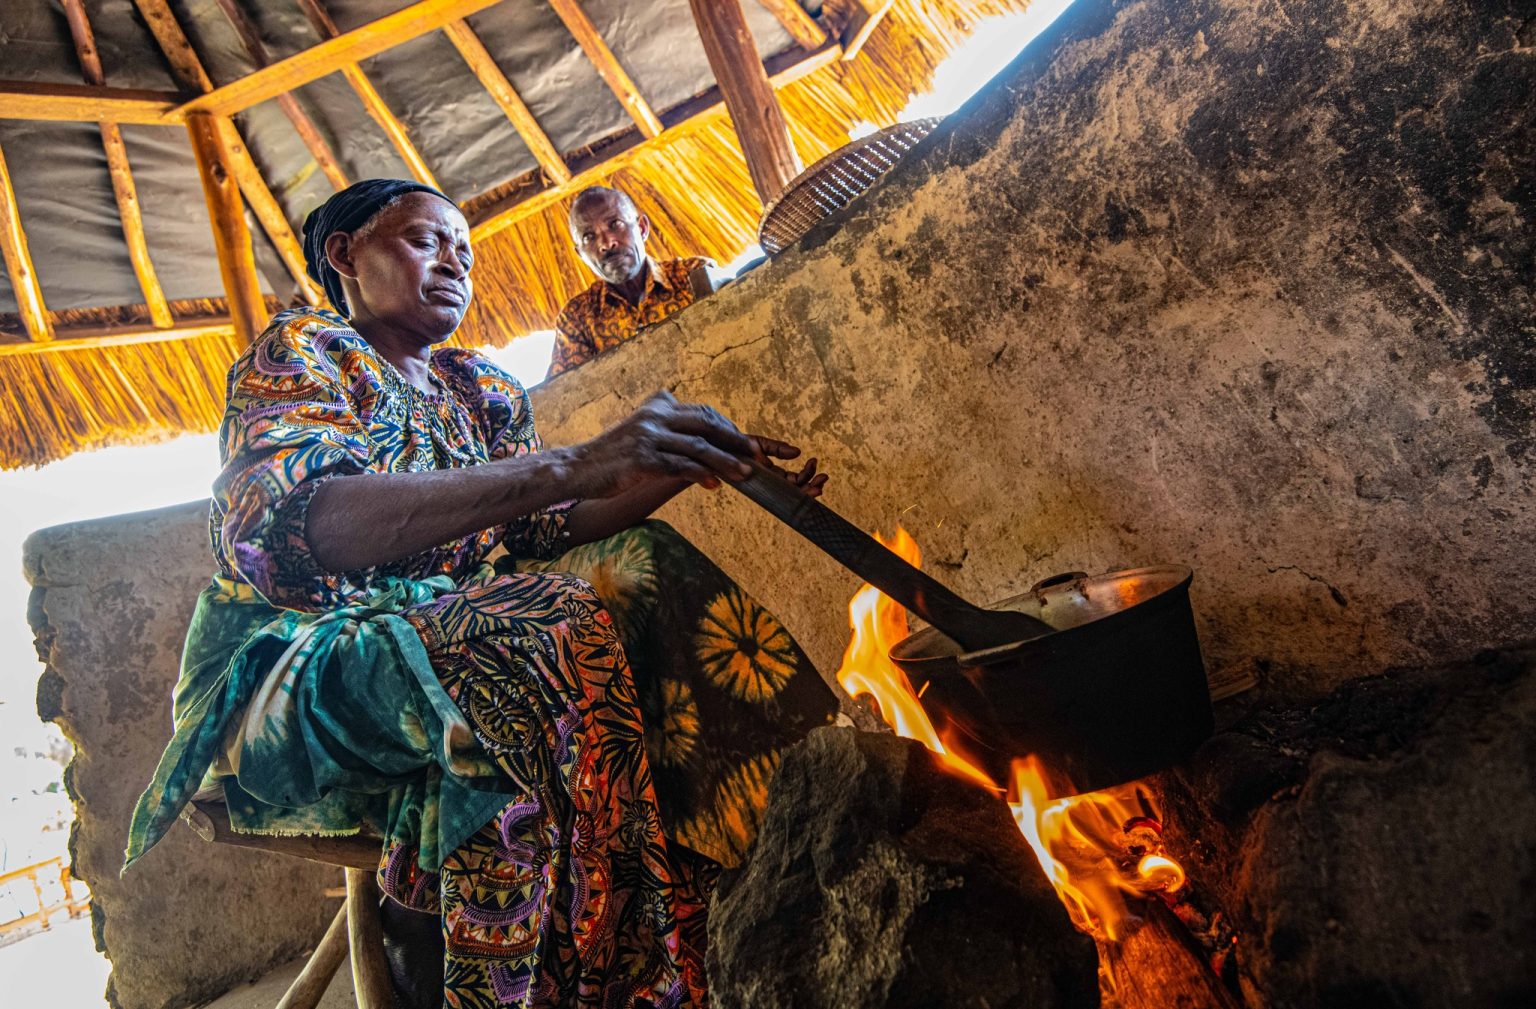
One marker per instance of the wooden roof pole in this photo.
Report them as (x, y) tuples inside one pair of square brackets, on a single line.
[(308, 132), (18, 263), (82, 103), (748, 94), (493, 220), (372, 100), (189, 71), (797, 22), (330, 56), (862, 25), (494, 81), (123, 189), (231, 238), (619, 82)]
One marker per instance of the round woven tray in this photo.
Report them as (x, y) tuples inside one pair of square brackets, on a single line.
[(832, 183)]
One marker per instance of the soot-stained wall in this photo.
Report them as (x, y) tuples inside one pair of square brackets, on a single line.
[(1241, 285)]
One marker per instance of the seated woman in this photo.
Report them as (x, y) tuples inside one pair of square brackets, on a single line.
[(561, 749)]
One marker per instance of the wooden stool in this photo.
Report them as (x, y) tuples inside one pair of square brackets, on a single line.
[(355, 928)]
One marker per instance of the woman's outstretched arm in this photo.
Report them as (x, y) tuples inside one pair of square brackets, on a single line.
[(365, 520)]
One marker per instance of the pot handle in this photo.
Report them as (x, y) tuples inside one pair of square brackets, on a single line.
[(1051, 581)]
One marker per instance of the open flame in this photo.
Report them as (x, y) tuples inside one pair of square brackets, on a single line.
[(1094, 848)]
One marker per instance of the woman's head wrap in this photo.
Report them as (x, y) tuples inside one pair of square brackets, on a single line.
[(348, 210)]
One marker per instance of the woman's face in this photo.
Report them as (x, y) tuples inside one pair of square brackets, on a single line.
[(408, 268)]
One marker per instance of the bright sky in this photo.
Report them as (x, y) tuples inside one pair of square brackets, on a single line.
[(120, 480)]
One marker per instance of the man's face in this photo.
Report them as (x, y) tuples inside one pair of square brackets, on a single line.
[(610, 237)]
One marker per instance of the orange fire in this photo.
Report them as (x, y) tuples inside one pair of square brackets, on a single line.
[(1094, 848), (878, 623)]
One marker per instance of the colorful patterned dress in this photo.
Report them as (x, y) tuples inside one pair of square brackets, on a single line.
[(561, 748)]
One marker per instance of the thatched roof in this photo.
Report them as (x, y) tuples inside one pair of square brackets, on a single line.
[(112, 375)]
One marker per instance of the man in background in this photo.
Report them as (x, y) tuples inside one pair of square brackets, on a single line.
[(632, 290)]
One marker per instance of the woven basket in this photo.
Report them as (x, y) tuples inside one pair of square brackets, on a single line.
[(833, 182)]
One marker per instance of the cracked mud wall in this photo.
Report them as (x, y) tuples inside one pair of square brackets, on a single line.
[(110, 605), (1242, 285)]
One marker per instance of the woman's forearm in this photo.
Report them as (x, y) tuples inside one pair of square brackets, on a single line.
[(376, 518), (595, 519)]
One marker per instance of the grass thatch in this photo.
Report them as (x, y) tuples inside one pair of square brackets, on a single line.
[(694, 186), (67, 401)]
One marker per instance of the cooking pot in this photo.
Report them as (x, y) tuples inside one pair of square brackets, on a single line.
[(1114, 692)]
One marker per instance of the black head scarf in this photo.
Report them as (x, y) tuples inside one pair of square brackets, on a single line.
[(348, 210)]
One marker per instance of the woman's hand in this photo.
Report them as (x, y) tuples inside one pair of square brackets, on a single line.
[(635, 467), (807, 479), (664, 439)]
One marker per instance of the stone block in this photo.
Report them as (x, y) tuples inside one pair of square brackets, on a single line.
[(880, 880), (110, 604), (1375, 848)]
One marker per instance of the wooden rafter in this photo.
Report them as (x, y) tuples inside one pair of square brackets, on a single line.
[(189, 71), (82, 103), (754, 108), (797, 22), (123, 189), (498, 218), (94, 337), (336, 52), (862, 25), (607, 64), (18, 263), (231, 238), (495, 82), (366, 92), (308, 132)]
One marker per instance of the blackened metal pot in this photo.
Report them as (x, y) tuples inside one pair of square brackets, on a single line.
[(1115, 692)]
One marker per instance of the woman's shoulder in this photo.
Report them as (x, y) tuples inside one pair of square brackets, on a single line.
[(304, 346), (473, 374), (302, 333)]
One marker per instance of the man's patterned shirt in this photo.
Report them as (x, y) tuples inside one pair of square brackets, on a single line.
[(599, 318)]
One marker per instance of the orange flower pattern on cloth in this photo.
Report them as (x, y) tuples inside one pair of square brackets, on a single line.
[(599, 319)]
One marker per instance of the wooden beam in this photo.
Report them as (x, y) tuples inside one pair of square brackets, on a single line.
[(123, 190), (335, 53), (92, 337), (862, 25), (365, 938), (390, 124), (189, 71), (270, 213), (748, 94), (494, 81), (185, 65), (308, 132), (226, 214), (591, 42), (798, 23), (371, 99), (18, 263), (82, 103), (127, 196), (309, 987), (209, 819), (495, 219)]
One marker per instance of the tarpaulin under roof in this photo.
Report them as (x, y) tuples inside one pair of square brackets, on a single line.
[(111, 377)]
